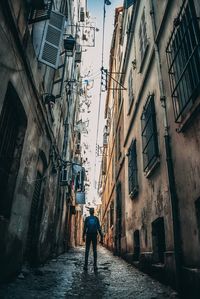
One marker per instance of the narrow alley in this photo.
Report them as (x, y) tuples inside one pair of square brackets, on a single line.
[(100, 135), (64, 278)]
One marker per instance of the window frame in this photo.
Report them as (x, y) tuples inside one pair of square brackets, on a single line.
[(149, 136), (130, 89), (143, 39), (133, 186), (183, 59), (119, 153)]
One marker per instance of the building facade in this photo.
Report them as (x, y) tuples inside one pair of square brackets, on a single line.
[(39, 64), (158, 141)]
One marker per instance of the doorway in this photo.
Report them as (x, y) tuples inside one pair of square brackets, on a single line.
[(32, 244), (158, 240), (118, 225), (136, 238)]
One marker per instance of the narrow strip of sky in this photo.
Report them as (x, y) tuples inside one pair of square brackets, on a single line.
[(93, 63)]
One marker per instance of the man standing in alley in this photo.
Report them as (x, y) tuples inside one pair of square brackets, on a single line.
[(91, 229)]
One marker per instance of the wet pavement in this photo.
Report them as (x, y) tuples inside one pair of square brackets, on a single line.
[(64, 278)]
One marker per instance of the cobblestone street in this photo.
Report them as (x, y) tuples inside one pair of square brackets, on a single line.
[(64, 278)]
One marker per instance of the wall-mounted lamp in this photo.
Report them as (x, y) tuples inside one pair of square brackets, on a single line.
[(69, 45)]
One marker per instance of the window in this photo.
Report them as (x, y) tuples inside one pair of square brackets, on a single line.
[(109, 119), (128, 25), (40, 10), (111, 214), (183, 57), (119, 99), (197, 207), (119, 144), (130, 88), (82, 15), (132, 170), (64, 8), (143, 37), (108, 220), (149, 134), (113, 168), (58, 79)]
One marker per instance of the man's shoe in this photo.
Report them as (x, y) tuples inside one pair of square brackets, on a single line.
[(85, 268)]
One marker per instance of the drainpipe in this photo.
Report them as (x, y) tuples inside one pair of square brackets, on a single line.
[(169, 161)]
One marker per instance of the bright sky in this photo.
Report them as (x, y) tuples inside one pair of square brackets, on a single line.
[(92, 63)]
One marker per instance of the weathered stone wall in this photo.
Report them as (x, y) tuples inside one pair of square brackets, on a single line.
[(30, 81)]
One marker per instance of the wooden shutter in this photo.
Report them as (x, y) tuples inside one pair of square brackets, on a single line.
[(51, 43)]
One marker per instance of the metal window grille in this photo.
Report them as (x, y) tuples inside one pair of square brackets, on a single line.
[(132, 169), (130, 88), (38, 15), (149, 134), (143, 36), (183, 57)]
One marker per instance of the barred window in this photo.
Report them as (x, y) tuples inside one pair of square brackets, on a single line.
[(143, 36), (183, 57), (111, 214), (132, 170), (149, 134), (130, 88), (119, 144)]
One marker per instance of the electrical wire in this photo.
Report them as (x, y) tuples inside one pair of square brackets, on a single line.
[(100, 92), (102, 62)]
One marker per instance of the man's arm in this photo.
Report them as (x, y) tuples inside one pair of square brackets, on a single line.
[(84, 229), (99, 229)]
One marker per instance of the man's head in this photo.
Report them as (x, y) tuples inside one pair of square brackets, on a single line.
[(91, 210)]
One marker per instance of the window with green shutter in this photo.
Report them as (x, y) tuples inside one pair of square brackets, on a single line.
[(52, 39)]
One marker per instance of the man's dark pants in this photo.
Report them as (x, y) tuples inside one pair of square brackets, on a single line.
[(91, 238)]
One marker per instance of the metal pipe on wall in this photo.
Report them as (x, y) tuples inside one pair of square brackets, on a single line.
[(169, 162)]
